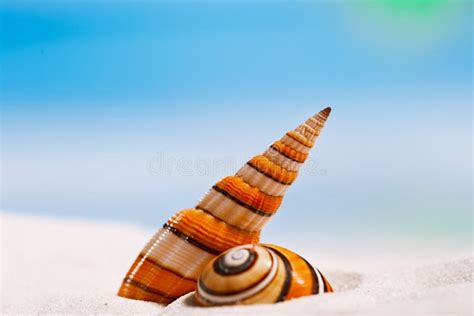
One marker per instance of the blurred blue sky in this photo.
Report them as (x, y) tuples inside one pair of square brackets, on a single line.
[(94, 93)]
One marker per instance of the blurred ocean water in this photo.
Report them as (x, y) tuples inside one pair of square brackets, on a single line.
[(130, 111)]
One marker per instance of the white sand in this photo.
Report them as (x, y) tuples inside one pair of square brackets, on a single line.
[(72, 267)]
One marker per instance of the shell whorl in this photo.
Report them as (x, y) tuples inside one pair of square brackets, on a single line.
[(230, 214), (271, 174), (254, 274)]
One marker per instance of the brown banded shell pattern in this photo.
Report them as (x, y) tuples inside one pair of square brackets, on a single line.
[(258, 274), (232, 213)]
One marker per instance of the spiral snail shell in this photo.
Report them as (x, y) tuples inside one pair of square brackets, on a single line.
[(232, 213), (258, 274)]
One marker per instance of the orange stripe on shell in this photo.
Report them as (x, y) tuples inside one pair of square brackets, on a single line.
[(328, 286), (211, 231), (146, 279), (300, 138), (252, 196), (300, 284), (272, 170), (289, 152)]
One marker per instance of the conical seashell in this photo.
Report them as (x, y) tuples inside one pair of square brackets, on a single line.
[(258, 274), (232, 213)]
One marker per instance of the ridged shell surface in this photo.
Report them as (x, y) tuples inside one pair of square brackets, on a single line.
[(258, 274), (232, 213)]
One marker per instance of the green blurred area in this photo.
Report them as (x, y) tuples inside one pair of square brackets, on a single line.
[(421, 7)]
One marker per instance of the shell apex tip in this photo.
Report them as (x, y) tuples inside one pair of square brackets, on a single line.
[(327, 110)]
